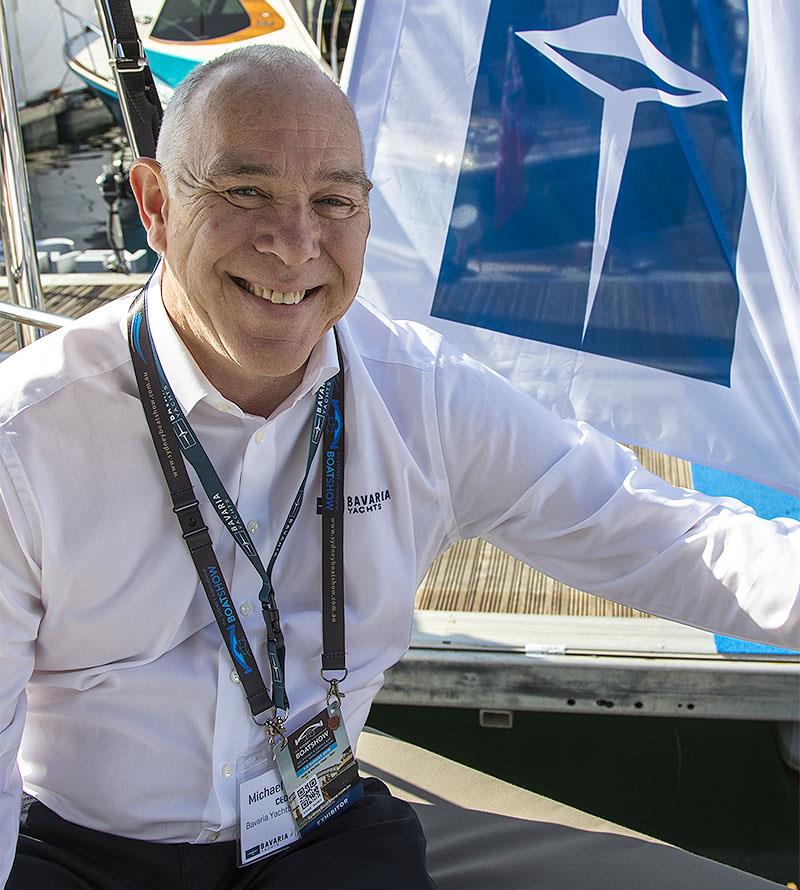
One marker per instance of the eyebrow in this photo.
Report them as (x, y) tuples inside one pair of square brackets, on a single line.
[(347, 177), (223, 168), (229, 167)]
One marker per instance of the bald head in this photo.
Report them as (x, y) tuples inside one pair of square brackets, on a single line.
[(256, 71)]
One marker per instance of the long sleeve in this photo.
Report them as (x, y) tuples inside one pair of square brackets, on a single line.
[(577, 506), (20, 613)]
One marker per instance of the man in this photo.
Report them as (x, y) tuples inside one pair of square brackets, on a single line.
[(136, 722)]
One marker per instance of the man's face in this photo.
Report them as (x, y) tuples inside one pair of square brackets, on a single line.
[(265, 225)]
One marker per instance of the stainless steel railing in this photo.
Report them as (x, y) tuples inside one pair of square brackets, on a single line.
[(337, 15), (87, 35), (333, 50), (22, 268), (35, 317)]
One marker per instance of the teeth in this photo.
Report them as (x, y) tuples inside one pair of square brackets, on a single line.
[(274, 296)]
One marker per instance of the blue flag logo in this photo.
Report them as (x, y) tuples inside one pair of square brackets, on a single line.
[(600, 197)]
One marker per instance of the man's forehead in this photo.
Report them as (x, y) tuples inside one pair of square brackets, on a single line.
[(285, 105), (264, 133), (268, 130), (243, 127)]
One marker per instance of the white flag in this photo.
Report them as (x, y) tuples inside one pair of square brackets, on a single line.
[(601, 200)]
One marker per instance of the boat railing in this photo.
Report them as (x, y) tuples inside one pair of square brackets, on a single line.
[(337, 15), (71, 43), (37, 318), (334, 47), (22, 269)]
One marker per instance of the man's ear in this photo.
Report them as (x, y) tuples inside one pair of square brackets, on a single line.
[(150, 190)]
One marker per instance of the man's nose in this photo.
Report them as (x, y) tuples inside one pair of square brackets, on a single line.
[(290, 233)]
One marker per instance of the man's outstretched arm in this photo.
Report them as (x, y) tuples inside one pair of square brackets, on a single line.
[(573, 504)]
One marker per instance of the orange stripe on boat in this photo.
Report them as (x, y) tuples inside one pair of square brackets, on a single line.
[(263, 20)]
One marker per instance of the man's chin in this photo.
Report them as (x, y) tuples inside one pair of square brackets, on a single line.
[(269, 358)]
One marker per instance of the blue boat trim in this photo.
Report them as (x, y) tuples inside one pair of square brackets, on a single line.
[(171, 69), (94, 85)]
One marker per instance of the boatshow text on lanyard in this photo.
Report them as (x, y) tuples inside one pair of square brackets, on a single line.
[(175, 440)]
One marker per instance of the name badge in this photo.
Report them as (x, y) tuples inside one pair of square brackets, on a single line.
[(266, 824), (319, 771)]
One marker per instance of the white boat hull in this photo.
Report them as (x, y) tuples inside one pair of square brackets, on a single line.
[(170, 61)]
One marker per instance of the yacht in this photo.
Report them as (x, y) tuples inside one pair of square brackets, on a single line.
[(179, 35)]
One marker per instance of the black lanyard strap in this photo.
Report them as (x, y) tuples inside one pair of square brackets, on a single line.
[(187, 509), (226, 509), (174, 440), (333, 651)]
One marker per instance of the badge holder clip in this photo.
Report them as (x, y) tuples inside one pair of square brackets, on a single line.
[(275, 727), (334, 693)]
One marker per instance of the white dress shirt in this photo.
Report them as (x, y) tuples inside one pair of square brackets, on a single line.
[(134, 715)]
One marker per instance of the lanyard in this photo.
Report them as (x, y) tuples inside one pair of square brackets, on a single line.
[(174, 439), (331, 508)]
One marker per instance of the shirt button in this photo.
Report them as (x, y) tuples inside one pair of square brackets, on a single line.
[(227, 771), (259, 437), (235, 677), (246, 608), (252, 526)]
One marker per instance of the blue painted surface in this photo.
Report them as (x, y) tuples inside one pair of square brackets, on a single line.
[(169, 68), (768, 503), (93, 85), (679, 207), (732, 646)]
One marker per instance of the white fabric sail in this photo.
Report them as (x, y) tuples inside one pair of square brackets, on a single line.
[(599, 204)]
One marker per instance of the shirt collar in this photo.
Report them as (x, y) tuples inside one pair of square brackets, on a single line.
[(323, 363), (191, 386)]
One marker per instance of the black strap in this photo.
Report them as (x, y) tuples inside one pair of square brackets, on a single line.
[(135, 84), (219, 498), (333, 651), (187, 509), (175, 439)]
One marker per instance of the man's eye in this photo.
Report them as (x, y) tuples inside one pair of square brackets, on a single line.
[(244, 191), (335, 206)]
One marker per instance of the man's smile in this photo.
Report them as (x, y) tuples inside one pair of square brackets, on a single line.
[(273, 296)]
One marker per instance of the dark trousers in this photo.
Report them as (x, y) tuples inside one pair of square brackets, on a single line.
[(377, 844)]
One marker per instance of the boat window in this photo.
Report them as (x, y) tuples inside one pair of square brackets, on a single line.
[(191, 20)]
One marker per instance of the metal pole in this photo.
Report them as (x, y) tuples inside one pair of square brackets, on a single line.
[(22, 267), (320, 19), (337, 14), (23, 315)]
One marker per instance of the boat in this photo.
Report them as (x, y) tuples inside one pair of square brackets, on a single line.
[(179, 35)]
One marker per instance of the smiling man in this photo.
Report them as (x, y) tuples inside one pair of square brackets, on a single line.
[(189, 648), (262, 220)]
